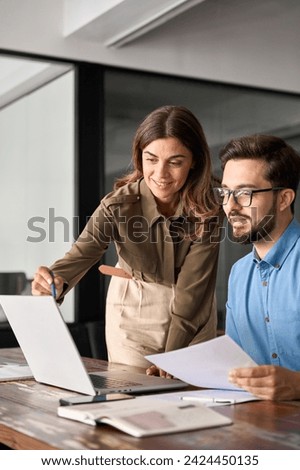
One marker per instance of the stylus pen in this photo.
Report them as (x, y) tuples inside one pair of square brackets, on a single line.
[(53, 288)]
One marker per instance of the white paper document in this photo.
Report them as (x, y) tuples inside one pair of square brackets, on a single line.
[(205, 364), (208, 397)]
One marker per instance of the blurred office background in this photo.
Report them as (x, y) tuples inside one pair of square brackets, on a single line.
[(78, 76)]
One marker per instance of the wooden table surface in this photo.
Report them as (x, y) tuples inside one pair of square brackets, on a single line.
[(28, 420)]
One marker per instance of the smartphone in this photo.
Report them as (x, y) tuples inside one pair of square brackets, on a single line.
[(85, 399)]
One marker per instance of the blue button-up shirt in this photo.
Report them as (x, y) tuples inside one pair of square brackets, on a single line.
[(263, 307)]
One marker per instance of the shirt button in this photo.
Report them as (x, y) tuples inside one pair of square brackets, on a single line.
[(264, 283), (274, 355), (267, 319)]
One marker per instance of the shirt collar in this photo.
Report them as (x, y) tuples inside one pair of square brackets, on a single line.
[(279, 252)]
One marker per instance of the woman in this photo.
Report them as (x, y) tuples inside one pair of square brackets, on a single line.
[(162, 219)]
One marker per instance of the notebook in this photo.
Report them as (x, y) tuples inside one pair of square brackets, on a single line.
[(146, 416), (53, 357)]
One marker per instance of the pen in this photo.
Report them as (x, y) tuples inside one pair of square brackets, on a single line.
[(53, 288), (224, 401)]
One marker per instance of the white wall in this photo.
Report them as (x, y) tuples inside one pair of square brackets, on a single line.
[(37, 179), (245, 42)]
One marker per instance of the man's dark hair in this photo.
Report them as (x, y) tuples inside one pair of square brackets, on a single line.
[(282, 161)]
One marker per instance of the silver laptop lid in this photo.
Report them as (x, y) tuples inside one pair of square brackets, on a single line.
[(46, 342), (52, 355)]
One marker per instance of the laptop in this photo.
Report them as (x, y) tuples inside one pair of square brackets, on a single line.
[(53, 357)]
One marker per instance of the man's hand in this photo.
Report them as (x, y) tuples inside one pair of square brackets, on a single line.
[(268, 382)]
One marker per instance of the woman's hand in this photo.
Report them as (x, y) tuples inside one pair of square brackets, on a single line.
[(153, 370), (41, 284)]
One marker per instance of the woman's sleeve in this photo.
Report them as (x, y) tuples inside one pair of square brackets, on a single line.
[(87, 250)]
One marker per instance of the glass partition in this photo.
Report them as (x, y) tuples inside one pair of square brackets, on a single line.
[(37, 166)]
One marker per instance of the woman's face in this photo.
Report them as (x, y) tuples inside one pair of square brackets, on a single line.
[(166, 165)]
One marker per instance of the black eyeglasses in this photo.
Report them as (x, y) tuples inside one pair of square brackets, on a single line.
[(243, 197)]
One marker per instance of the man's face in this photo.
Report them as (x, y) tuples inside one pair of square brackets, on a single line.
[(256, 222)]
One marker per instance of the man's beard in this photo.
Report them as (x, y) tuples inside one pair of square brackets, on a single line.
[(261, 231)]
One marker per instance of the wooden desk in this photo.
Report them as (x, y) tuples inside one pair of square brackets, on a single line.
[(28, 420)]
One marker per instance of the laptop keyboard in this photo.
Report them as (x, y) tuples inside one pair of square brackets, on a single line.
[(108, 382)]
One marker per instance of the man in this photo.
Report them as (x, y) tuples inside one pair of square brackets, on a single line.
[(260, 180)]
